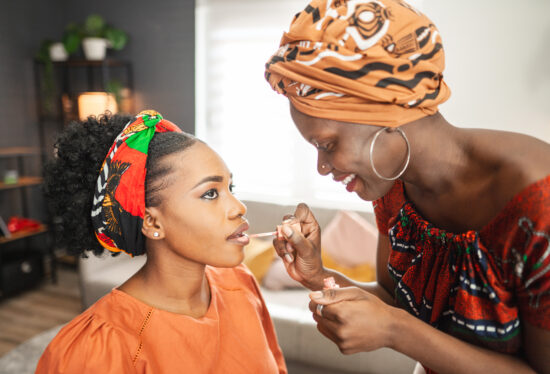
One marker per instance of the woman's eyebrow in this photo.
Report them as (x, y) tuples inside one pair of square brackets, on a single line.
[(212, 178)]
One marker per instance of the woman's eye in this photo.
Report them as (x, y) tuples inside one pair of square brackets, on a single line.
[(210, 194), (231, 188), (322, 147)]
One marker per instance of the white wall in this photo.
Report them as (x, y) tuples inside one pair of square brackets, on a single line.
[(498, 63), (496, 69)]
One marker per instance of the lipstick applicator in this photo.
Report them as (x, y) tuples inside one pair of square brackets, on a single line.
[(263, 234)]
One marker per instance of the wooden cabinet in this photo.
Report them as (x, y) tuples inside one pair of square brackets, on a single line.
[(23, 253)]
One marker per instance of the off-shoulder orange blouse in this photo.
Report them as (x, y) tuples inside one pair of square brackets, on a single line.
[(120, 334)]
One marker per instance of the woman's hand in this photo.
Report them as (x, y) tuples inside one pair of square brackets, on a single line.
[(301, 251), (356, 320)]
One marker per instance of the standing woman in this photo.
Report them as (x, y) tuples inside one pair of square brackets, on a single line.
[(463, 280)]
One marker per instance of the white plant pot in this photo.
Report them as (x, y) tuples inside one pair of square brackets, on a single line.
[(58, 52), (94, 48)]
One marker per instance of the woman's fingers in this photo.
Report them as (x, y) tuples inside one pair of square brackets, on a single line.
[(283, 249), (305, 215), (353, 318), (307, 220), (327, 328), (335, 295), (296, 240), (298, 243), (326, 312)]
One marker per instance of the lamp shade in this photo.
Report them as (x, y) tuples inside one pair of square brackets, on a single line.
[(96, 103)]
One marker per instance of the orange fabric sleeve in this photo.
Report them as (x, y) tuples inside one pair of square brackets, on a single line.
[(80, 347)]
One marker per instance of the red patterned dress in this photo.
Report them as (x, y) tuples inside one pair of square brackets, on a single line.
[(478, 286)]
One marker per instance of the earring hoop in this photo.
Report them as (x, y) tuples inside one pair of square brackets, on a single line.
[(372, 151)]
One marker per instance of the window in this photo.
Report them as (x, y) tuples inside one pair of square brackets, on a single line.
[(243, 119)]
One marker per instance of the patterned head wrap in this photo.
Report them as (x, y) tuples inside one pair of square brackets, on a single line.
[(376, 62), (119, 199)]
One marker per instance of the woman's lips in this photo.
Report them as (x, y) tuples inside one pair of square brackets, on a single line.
[(238, 236), (351, 184), (349, 180), (240, 240)]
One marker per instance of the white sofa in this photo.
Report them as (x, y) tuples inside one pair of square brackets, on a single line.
[(306, 350)]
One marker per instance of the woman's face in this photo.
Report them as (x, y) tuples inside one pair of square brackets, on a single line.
[(200, 218), (343, 151)]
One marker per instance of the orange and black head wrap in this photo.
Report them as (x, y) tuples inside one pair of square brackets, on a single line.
[(376, 62), (119, 198)]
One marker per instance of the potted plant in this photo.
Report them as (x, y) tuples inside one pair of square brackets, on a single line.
[(97, 36), (51, 51)]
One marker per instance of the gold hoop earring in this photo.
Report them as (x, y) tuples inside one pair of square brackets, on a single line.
[(372, 151)]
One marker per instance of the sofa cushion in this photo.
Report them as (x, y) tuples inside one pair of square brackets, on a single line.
[(350, 240), (108, 272)]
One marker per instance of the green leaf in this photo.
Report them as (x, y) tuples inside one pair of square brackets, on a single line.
[(43, 54), (94, 24), (117, 38), (71, 41)]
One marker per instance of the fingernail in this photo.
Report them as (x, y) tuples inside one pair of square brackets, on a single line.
[(288, 257), (289, 220), (289, 247), (287, 231), (316, 294)]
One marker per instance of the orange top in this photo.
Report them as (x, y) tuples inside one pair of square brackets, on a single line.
[(120, 334)]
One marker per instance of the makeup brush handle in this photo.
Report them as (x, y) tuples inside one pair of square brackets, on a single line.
[(262, 234)]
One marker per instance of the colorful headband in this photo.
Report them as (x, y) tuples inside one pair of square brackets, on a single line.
[(376, 62), (119, 199)]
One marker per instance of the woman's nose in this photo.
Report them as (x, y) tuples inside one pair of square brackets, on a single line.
[(237, 209)]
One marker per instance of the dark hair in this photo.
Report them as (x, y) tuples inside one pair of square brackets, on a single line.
[(71, 177)]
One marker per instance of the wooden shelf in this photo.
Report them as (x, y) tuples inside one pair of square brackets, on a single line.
[(23, 234), (18, 151), (88, 63), (22, 182)]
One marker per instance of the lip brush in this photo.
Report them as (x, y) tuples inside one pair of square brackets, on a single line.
[(262, 234)]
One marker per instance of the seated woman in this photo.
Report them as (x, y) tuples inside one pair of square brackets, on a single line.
[(142, 186)]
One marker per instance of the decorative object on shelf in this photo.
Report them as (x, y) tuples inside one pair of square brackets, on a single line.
[(95, 49), (97, 36), (11, 176), (4, 228), (18, 224), (25, 242), (80, 84), (54, 51), (58, 52), (94, 103)]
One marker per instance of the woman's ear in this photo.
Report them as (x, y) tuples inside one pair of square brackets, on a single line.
[(152, 227)]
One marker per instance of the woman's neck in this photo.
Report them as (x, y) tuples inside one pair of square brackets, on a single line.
[(440, 156), (171, 283)]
